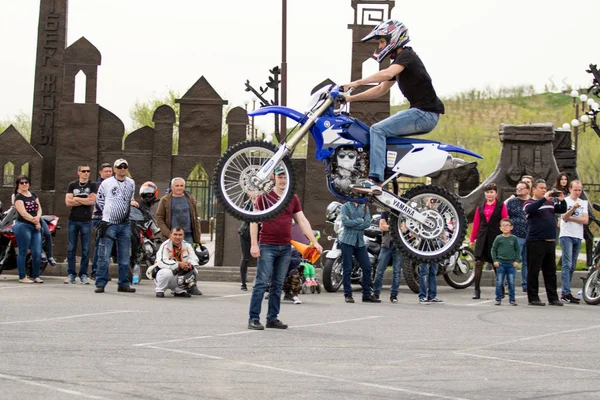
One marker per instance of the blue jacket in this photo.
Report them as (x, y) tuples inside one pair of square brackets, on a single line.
[(355, 220)]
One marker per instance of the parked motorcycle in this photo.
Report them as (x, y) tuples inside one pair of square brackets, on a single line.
[(8, 241), (591, 283), (331, 260), (458, 271), (145, 239), (342, 142)]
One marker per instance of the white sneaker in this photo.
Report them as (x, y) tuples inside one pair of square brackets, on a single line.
[(297, 300)]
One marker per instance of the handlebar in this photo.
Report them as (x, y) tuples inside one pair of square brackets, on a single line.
[(338, 91)]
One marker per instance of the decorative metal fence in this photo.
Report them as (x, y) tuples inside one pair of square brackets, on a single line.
[(203, 192)]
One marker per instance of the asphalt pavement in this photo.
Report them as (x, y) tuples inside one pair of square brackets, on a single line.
[(66, 342)]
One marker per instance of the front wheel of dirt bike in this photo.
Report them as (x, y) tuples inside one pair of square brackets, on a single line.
[(235, 182), (591, 288), (410, 271), (462, 274), (434, 243), (332, 274)]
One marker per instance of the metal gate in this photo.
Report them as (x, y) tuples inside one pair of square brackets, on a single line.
[(203, 192)]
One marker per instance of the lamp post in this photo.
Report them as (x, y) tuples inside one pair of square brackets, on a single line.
[(246, 102), (252, 132), (581, 114)]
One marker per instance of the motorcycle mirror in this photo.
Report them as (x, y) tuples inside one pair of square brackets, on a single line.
[(329, 238)]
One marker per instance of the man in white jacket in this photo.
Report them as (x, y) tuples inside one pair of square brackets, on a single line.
[(177, 263)]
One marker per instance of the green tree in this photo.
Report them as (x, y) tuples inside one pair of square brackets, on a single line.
[(22, 123)]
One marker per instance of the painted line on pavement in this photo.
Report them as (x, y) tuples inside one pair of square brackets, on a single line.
[(312, 375), (530, 338), (529, 363), (66, 391), (69, 317), (250, 331), (230, 295)]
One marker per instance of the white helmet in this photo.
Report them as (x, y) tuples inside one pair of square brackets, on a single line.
[(395, 34), (333, 210)]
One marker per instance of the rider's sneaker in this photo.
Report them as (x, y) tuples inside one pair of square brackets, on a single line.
[(52, 262), (43, 258), (367, 186)]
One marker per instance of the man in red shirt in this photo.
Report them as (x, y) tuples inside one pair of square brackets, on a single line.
[(273, 251)]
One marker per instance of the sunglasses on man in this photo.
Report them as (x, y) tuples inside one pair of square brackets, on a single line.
[(122, 166)]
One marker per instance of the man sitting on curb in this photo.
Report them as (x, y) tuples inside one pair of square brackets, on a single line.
[(176, 263)]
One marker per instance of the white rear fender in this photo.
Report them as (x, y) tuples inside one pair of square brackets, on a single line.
[(423, 159)]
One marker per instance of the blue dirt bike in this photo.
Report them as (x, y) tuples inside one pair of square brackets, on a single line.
[(428, 222)]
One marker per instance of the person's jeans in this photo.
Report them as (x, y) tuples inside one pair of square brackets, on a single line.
[(245, 260), (521, 242), (97, 241), (386, 255), (402, 123), (120, 233), (348, 251), (505, 269), (28, 238), (47, 242), (77, 228), (570, 252), (428, 281), (272, 266), (189, 237)]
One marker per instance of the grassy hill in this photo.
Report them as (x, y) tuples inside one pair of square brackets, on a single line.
[(473, 118)]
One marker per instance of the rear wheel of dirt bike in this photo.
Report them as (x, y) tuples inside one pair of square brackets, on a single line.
[(235, 182), (463, 273), (446, 233), (332, 274), (410, 271), (591, 288), (29, 268)]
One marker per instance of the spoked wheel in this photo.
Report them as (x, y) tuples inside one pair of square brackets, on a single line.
[(235, 182), (332, 274), (463, 272), (444, 236), (591, 288)]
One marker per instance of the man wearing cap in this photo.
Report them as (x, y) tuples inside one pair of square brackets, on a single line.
[(114, 199), (274, 253)]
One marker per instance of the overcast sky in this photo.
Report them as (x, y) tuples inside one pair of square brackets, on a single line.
[(151, 46)]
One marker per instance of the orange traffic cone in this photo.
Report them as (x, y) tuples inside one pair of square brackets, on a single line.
[(309, 253)]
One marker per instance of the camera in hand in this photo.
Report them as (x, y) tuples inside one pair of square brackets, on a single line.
[(555, 193)]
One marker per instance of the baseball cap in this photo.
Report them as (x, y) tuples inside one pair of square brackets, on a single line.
[(120, 161), (279, 170)]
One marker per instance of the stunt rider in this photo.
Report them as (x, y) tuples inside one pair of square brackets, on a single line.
[(415, 84)]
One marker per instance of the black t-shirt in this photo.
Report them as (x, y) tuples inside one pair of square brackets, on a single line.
[(31, 206), (415, 83), (81, 213)]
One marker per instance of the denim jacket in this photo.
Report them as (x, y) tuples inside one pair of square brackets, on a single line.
[(355, 220)]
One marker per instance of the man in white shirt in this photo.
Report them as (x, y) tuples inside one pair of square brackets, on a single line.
[(177, 263), (571, 235)]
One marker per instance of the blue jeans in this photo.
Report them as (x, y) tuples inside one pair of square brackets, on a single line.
[(521, 242), (76, 228), (272, 266), (348, 251), (570, 252), (505, 269), (47, 241), (428, 281), (28, 238), (386, 255), (95, 258), (189, 237), (121, 234), (402, 123)]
